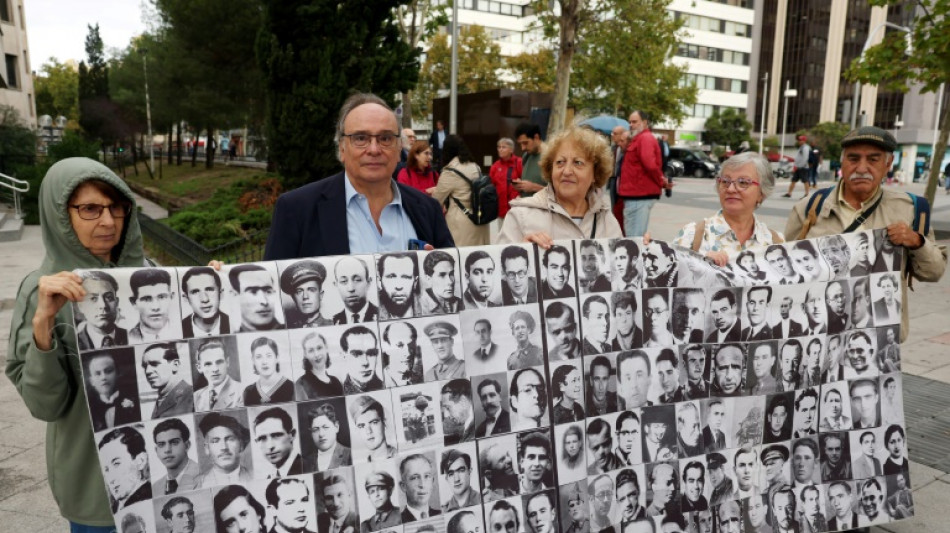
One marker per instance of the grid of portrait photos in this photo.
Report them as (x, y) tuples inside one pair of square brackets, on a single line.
[(597, 385)]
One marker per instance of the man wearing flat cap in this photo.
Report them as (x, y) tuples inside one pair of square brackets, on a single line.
[(379, 488), (303, 282), (442, 337), (723, 487), (859, 202)]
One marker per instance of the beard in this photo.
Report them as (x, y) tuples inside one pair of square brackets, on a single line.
[(394, 308)]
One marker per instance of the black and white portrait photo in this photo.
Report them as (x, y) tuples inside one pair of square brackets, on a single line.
[(480, 280), (570, 452), (97, 314), (111, 387), (689, 435), (316, 363), (688, 315), (126, 475), (556, 268), (717, 421), (217, 376), (173, 455), (399, 287), (440, 282), (805, 461), (372, 426), (442, 356), (595, 324), (763, 367), (656, 318), (835, 456), (402, 354), (486, 341), (593, 266), (562, 323), (290, 501), (180, 513), (659, 434), (807, 262), (223, 454), (886, 295), (164, 382), (202, 296), (336, 500), (861, 355), (325, 440), (157, 314), (256, 297), (353, 282), (724, 324), (302, 286), (497, 462), (837, 253), (276, 441), (748, 415), (518, 285), (756, 316), (779, 417), (806, 413), (601, 385), (528, 398), (835, 407), (523, 323), (266, 367), (458, 477), (567, 392), (728, 370), (693, 474), (378, 497), (780, 265), (626, 269), (492, 410), (417, 481)]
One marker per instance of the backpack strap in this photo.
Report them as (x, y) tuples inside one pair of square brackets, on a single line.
[(776, 238), (921, 214), (454, 199), (698, 235), (812, 209)]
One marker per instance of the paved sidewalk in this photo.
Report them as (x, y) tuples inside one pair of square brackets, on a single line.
[(26, 503)]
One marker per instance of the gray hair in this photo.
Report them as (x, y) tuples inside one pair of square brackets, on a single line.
[(761, 166), (507, 141), (354, 101)]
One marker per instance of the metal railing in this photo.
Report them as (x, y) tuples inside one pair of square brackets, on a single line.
[(14, 187), (173, 247)]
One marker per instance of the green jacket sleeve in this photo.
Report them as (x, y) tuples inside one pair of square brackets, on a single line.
[(44, 380)]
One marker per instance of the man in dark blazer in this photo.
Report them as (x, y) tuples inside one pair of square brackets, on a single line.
[(307, 220), (786, 327), (435, 142), (201, 287), (352, 278), (489, 392), (417, 483), (338, 500), (724, 309)]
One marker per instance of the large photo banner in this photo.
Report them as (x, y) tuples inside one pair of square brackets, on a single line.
[(598, 385)]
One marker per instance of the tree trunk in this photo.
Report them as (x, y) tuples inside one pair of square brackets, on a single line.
[(180, 143), (406, 110), (936, 157), (170, 137), (569, 19), (194, 148), (210, 148)]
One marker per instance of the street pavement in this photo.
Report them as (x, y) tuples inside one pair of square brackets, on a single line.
[(26, 503)]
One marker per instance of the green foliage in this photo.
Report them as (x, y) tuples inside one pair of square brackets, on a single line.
[(771, 143), (17, 141), (479, 63), (418, 21), (826, 136), (220, 220), (313, 54), (622, 60), (727, 128), (97, 115), (57, 91), (533, 71), (33, 170), (892, 65)]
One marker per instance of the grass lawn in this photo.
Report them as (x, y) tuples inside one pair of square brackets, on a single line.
[(196, 183)]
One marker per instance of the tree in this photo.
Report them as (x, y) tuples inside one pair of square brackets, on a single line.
[(533, 71), (57, 91), (826, 137), (96, 110), (479, 64), (727, 128), (891, 64), (619, 37), (310, 66), (418, 21)]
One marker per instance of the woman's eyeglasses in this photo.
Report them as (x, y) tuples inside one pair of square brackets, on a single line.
[(94, 211), (741, 183)]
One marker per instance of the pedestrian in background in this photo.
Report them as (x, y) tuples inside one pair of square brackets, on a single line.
[(528, 137), (801, 166), (454, 185), (418, 172), (503, 173), (641, 177)]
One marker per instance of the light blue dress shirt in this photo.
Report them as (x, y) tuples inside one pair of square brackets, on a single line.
[(363, 235)]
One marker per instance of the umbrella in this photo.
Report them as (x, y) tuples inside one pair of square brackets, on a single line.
[(605, 123)]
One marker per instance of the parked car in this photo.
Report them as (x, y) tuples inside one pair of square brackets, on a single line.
[(673, 168), (695, 162)]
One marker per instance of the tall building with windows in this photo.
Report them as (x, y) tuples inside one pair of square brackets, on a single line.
[(16, 83), (717, 53), (806, 45)]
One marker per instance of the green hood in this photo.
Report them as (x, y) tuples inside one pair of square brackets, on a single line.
[(63, 249)]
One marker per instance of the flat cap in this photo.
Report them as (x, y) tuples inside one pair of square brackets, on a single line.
[(302, 272), (654, 416), (380, 479), (870, 135), (716, 460), (775, 451), (440, 329)]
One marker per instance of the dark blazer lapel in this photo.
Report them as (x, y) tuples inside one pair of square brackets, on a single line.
[(331, 208)]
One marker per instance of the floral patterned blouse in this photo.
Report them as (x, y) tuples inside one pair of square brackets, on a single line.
[(719, 237)]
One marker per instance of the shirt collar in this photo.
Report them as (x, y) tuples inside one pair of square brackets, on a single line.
[(351, 191), (760, 232), (864, 205)]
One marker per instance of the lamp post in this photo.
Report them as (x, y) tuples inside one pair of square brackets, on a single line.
[(867, 44), (454, 90), (765, 102), (789, 93)]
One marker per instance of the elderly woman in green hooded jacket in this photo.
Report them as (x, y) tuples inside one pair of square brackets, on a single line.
[(86, 219)]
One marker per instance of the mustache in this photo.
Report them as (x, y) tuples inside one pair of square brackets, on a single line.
[(861, 176)]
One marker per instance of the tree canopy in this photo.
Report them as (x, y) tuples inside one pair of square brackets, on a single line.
[(727, 128), (892, 65), (313, 54), (479, 64), (533, 71), (57, 91)]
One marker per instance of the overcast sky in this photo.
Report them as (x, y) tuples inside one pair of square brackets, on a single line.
[(57, 28)]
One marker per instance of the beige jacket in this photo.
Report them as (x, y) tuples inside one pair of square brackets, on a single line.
[(541, 212), (451, 185), (927, 263)]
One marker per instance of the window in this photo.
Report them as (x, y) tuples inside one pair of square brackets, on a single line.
[(5, 11), (12, 72)]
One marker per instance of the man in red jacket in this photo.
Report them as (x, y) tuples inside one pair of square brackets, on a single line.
[(641, 176), (503, 172)]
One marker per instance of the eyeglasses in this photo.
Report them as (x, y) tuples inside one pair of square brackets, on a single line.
[(372, 352), (604, 495), (94, 211), (362, 140), (741, 183), (520, 274)]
